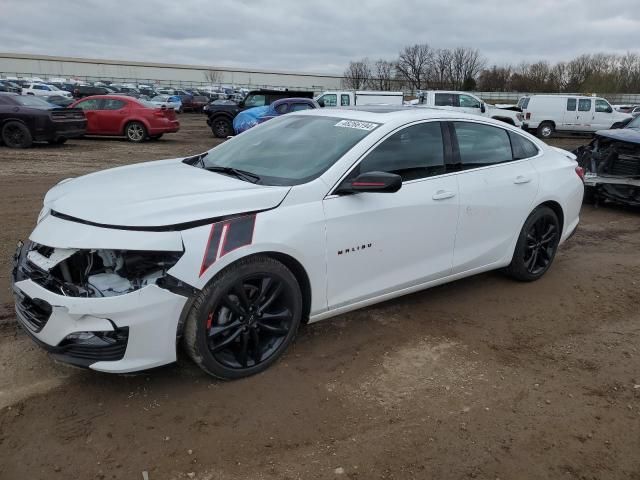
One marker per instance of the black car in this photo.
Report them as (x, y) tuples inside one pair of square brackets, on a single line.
[(220, 116), (59, 100), (25, 119), (81, 91), (7, 86)]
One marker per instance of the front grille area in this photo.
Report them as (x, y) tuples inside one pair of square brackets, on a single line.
[(625, 165), (33, 313)]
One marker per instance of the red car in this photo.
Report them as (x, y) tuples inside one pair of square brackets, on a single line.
[(117, 115)]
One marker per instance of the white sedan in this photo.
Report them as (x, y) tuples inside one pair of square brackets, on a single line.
[(168, 101), (307, 216), (41, 89)]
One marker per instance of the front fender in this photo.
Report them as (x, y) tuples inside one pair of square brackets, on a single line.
[(299, 233)]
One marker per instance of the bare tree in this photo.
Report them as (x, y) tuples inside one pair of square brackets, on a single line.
[(495, 79), (441, 67), (465, 66), (213, 76), (414, 63), (383, 75), (357, 75)]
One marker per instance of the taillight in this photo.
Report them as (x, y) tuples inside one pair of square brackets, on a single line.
[(528, 116), (580, 173)]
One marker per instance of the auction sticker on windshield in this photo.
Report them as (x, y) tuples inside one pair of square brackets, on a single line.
[(356, 124)]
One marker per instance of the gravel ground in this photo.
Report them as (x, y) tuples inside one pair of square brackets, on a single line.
[(482, 378)]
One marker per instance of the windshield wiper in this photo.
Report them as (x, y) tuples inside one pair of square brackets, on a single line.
[(240, 174)]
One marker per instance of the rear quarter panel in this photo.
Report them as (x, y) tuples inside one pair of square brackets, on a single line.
[(560, 183)]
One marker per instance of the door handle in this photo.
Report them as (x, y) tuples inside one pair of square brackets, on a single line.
[(443, 195), (521, 179)]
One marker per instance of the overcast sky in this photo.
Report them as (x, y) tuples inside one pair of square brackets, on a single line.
[(315, 35)]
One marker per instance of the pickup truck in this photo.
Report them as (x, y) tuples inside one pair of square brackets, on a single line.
[(363, 97), (220, 115), (469, 103)]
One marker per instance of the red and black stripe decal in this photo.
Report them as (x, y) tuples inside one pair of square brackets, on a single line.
[(227, 236)]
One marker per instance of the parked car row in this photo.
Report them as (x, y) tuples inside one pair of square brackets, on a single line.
[(25, 119)]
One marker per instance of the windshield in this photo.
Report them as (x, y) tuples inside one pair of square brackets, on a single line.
[(291, 149), (53, 88), (635, 123), (160, 98), (32, 101)]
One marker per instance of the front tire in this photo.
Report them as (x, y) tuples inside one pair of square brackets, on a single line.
[(221, 127), (536, 247), (135, 132), (245, 318), (16, 135)]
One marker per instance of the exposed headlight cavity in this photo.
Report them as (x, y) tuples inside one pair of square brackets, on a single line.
[(100, 273)]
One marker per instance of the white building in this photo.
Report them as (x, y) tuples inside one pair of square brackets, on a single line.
[(90, 69)]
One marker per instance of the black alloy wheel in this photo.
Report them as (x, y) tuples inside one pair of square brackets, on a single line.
[(244, 319), (537, 245), (16, 135), (251, 321), (542, 241)]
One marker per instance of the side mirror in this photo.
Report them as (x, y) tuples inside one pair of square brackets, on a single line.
[(483, 109), (321, 102), (609, 110), (373, 182)]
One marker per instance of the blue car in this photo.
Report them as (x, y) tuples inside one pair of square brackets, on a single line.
[(253, 116)]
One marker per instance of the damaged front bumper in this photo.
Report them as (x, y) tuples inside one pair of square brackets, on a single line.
[(611, 163), (121, 333)]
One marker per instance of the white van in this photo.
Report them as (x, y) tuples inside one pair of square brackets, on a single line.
[(363, 97), (547, 114)]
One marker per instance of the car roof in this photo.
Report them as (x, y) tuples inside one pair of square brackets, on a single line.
[(391, 113), (109, 97)]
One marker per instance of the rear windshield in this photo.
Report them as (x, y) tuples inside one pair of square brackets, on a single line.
[(31, 101), (290, 150)]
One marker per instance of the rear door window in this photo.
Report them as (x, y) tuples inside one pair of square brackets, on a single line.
[(482, 145), (344, 100), (571, 104), (112, 104)]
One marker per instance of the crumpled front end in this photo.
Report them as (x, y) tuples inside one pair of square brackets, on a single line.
[(612, 168), (108, 309)]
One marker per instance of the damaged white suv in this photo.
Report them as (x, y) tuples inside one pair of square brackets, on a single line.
[(304, 217)]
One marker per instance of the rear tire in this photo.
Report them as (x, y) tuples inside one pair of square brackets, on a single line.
[(244, 319), (221, 127), (536, 247), (135, 132), (546, 130), (16, 135)]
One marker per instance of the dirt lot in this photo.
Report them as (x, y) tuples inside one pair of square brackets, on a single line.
[(484, 378)]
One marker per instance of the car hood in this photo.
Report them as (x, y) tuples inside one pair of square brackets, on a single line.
[(158, 194), (631, 135)]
